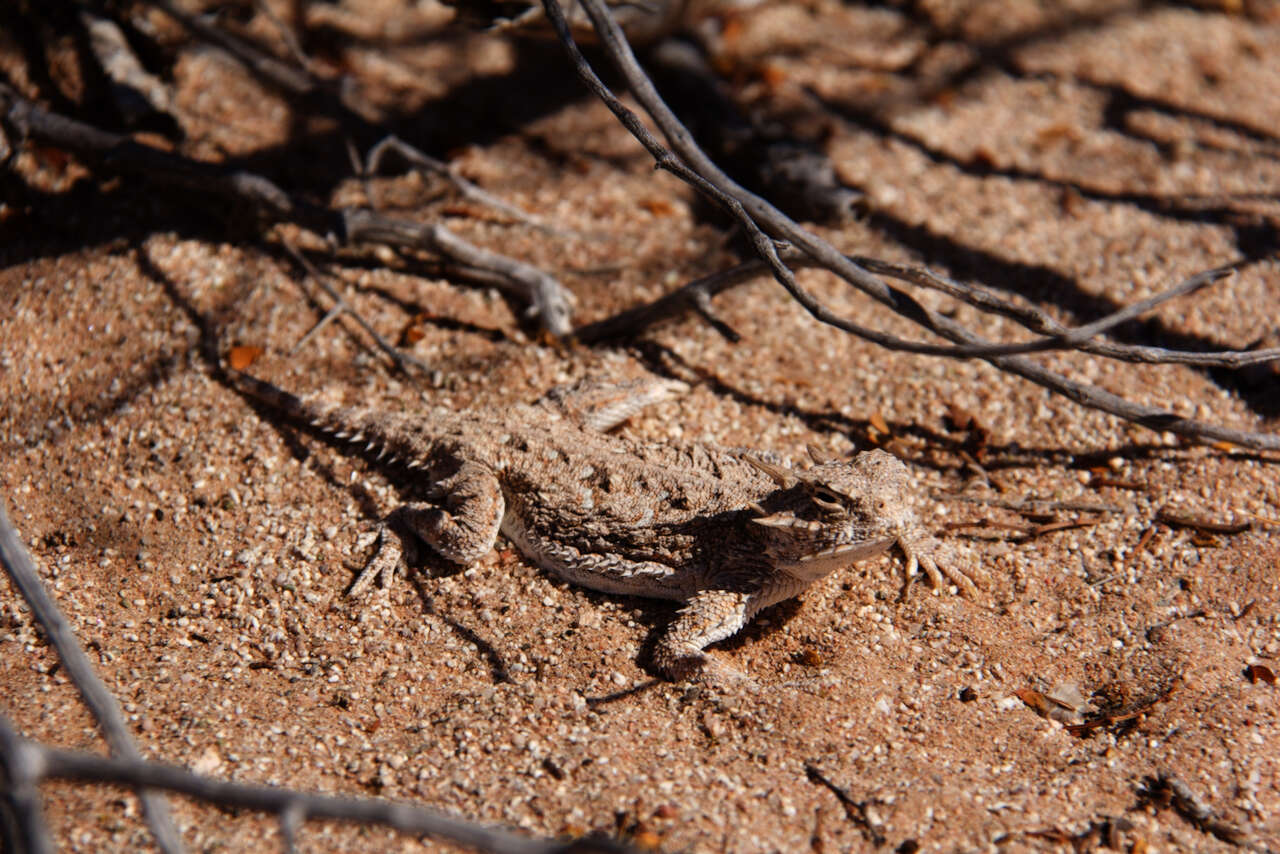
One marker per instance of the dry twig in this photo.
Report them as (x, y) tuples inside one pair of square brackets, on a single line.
[(549, 303), (756, 215), (341, 306), (30, 762), (24, 764), (1166, 790), (105, 709), (854, 809), (415, 157)]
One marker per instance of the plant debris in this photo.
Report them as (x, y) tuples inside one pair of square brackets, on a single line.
[(1164, 791)]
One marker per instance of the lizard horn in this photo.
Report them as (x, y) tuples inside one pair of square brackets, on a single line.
[(781, 475), (819, 455)]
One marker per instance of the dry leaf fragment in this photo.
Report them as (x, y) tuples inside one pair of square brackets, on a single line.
[(1060, 132), (646, 840), (1256, 673), (773, 76), (1185, 520), (658, 207), (1068, 695), (960, 419), (1145, 540), (1037, 702), (810, 657), (732, 28), (240, 358), (413, 332)]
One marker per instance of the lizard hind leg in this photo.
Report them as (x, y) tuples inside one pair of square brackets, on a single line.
[(601, 406), (462, 531)]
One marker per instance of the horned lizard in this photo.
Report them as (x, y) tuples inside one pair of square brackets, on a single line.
[(724, 531)]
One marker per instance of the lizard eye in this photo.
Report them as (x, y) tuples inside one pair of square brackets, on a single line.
[(826, 499)]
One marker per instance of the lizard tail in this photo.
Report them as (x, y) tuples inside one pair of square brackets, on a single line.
[(274, 396), (358, 427)]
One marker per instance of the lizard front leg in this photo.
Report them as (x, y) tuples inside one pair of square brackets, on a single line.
[(709, 616), (462, 531)]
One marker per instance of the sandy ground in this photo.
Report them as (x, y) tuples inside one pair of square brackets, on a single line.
[(1077, 156)]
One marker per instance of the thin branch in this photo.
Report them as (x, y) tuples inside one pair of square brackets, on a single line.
[(674, 304), (135, 90), (763, 245), (287, 35), (1059, 337), (1079, 337), (121, 153), (20, 771), (42, 762), (101, 703), (296, 82), (748, 208), (1029, 504), (341, 306), (422, 160), (332, 97), (549, 302)]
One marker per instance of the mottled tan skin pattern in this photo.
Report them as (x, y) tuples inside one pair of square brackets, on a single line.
[(724, 531)]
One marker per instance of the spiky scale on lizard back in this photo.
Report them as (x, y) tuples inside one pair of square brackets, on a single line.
[(727, 531)]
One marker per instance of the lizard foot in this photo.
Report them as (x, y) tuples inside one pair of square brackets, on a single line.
[(919, 552), (388, 555)]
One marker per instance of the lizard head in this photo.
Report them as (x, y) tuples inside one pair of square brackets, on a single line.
[(826, 517)]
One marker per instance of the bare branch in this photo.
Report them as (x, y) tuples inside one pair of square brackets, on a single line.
[(287, 35), (549, 302), (422, 160), (104, 707), (750, 210), (1079, 337), (26, 763), (766, 247), (40, 762), (21, 768), (1058, 336), (281, 75), (135, 90), (341, 306)]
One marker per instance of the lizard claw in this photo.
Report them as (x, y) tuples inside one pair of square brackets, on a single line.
[(679, 667), (919, 555), (382, 565)]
